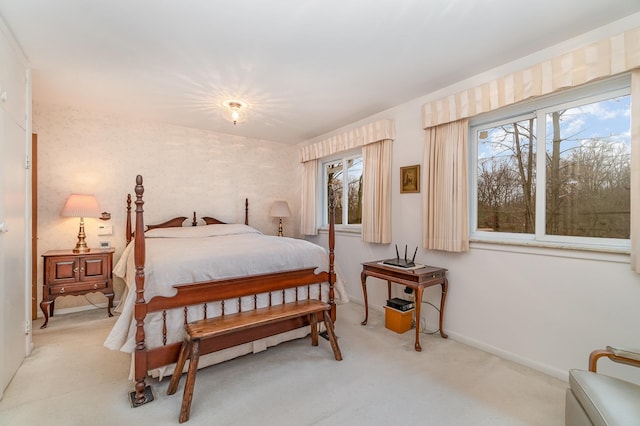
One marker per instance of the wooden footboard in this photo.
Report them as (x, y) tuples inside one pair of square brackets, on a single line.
[(202, 295)]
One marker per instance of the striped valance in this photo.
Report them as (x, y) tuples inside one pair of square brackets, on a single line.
[(608, 57), (370, 133)]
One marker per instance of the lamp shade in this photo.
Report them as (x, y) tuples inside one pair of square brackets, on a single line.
[(280, 209), (81, 205)]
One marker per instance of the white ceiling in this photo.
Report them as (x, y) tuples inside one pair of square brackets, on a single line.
[(304, 67)]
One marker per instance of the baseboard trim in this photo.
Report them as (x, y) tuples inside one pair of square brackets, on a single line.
[(81, 308), (510, 356)]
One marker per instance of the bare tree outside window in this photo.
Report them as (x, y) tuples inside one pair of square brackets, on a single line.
[(589, 171), (587, 167), (506, 178), (355, 190), (338, 178), (335, 179)]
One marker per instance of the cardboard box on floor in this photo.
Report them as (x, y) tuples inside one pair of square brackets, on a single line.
[(398, 321)]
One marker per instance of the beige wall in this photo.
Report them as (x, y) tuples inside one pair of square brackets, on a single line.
[(541, 307), (184, 170)]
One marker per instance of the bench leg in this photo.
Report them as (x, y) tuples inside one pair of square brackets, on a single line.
[(182, 358), (191, 380), (313, 321), (332, 336)]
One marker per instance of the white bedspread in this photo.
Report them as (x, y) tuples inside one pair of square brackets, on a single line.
[(192, 254)]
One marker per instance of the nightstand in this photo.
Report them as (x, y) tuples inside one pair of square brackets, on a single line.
[(66, 273)]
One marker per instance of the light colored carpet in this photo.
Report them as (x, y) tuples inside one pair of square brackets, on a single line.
[(71, 379)]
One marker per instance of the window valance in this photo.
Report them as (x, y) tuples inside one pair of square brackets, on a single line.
[(605, 58), (370, 133)]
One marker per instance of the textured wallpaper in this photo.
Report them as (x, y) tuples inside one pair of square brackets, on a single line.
[(184, 170)]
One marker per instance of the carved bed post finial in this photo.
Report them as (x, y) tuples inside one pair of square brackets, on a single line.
[(246, 211), (332, 244), (140, 396), (194, 221)]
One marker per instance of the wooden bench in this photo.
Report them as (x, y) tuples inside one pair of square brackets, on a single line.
[(226, 324)]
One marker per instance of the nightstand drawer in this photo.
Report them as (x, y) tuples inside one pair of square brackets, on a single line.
[(71, 288)]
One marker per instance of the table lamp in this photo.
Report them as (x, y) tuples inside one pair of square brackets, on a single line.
[(280, 209), (81, 205)]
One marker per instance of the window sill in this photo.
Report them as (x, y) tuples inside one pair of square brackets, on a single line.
[(351, 231), (609, 254)]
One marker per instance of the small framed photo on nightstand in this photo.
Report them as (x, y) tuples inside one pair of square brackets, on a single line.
[(105, 245)]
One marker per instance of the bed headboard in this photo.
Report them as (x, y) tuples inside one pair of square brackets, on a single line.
[(178, 221)]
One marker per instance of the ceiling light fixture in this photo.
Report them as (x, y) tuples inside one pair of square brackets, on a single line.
[(235, 110)]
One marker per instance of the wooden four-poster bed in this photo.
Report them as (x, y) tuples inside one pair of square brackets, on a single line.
[(157, 316)]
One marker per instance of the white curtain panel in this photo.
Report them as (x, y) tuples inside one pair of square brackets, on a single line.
[(376, 192), (309, 220), (446, 224), (635, 171)]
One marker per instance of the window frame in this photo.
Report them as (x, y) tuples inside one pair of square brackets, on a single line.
[(539, 108), (323, 205)]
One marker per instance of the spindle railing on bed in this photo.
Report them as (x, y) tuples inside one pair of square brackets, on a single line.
[(204, 293)]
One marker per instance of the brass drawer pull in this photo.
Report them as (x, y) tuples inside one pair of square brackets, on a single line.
[(62, 290), (95, 286)]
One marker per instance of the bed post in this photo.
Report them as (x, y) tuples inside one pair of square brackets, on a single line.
[(128, 229), (142, 393), (332, 244), (246, 211)]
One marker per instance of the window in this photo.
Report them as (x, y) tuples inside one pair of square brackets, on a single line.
[(556, 173), (338, 174)]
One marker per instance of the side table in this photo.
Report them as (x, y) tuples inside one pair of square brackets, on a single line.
[(417, 279), (66, 273)]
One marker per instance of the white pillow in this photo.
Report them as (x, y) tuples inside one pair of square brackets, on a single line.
[(201, 231)]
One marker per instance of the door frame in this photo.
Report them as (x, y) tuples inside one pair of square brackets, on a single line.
[(34, 226)]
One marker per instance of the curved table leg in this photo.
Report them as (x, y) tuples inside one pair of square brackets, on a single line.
[(418, 303), (44, 307), (443, 298), (363, 278), (110, 303)]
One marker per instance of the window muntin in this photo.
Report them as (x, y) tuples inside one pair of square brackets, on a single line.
[(590, 162), (338, 174)]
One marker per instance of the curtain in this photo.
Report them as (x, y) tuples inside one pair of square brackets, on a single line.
[(378, 214), (635, 171), (610, 56), (614, 55), (376, 192), (446, 224), (354, 138), (309, 222)]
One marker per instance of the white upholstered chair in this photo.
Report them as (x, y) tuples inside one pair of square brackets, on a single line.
[(597, 399)]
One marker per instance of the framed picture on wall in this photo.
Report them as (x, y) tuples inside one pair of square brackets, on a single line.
[(410, 179)]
